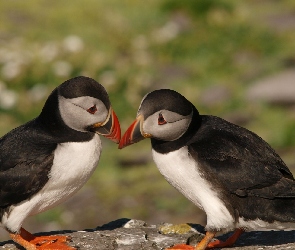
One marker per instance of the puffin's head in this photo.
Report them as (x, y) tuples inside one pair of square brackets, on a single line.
[(84, 106), (163, 115)]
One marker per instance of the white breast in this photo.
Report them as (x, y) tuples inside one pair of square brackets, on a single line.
[(73, 165), (182, 172)]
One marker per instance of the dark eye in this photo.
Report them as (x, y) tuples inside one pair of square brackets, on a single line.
[(161, 120), (92, 109)]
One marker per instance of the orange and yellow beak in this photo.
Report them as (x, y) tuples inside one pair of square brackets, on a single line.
[(134, 133), (110, 128)]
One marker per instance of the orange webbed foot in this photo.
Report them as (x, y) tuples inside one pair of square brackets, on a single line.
[(217, 243), (206, 243), (228, 243), (201, 245), (32, 242), (181, 247), (56, 242)]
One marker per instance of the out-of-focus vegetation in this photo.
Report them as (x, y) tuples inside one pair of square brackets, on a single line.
[(133, 47)]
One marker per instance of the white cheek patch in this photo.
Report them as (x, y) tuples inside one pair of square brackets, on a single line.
[(172, 131), (175, 127), (74, 112)]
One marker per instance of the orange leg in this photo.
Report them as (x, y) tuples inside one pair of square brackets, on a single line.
[(32, 242), (229, 242), (206, 244), (201, 246)]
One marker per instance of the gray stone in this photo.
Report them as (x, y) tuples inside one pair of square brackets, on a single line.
[(215, 95), (126, 234), (277, 89)]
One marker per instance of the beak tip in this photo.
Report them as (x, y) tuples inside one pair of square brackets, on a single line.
[(123, 142), (132, 135)]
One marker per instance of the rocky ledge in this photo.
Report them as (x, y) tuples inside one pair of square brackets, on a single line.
[(137, 235)]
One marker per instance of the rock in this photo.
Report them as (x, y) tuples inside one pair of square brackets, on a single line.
[(127, 234), (278, 89), (215, 95)]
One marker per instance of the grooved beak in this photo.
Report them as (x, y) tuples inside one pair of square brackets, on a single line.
[(110, 128), (133, 134)]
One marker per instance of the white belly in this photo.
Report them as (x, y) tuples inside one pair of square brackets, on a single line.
[(182, 172), (73, 165)]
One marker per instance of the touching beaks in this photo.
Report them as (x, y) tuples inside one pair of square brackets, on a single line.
[(110, 128), (134, 133)]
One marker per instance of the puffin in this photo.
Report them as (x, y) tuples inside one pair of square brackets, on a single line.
[(229, 172), (48, 159)]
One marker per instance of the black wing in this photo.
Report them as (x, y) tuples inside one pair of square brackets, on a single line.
[(240, 160), (26, 156)]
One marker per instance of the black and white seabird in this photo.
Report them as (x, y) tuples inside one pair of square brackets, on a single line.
[(226, 170), (48, 159)]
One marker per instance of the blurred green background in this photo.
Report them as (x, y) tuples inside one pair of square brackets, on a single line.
[(215, 52)]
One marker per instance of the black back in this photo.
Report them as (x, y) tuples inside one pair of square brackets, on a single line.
[(247, 173), (244, 163), (26, 157)]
